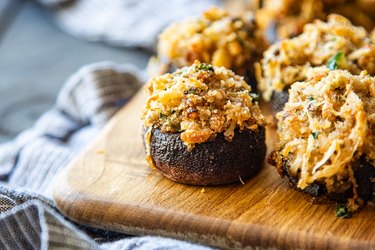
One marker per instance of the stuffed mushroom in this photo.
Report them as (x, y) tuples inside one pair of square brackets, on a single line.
[(323, 46), (282, 19), (215, 38), (203, 126), (326, 138)]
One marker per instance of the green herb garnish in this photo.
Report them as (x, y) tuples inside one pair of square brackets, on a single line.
[(206, 67), (254, 97), (315, 134), (175, 127), (342, 211), (336, 60), (190, 91), (311, 98), (194, 91), (171, 112)]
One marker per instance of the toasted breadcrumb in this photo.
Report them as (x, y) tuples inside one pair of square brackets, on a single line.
[(200, 102), (307, 55), (215, 37)]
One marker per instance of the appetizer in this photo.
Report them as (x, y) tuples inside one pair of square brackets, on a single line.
[(286, 18), (216, 38), (203, 126), (326, 138), (322, 46)]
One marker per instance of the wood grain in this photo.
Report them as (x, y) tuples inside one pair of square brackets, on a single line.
[(110, 186)]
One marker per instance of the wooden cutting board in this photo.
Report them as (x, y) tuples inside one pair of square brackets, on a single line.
[(110, 186)]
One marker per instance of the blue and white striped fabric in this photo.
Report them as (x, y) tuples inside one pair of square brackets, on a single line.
[(98, 20), (31, 222), (85, 103)]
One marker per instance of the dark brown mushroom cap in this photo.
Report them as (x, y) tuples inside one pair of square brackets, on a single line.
[(364, 172), (213, 162)]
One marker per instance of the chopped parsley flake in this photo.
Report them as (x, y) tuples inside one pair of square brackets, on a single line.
[(206, 67), (342, 211), (190, 91), (193, 91), (335, 61), (254, 97), (315, 134)]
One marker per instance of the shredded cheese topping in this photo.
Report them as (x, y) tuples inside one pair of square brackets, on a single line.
[(199, 102), (306, 55), (287, 17), (327, 124)]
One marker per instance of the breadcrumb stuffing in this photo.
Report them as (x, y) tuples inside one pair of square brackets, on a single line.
[(327, 124), (200, 102), (308, 54), (215, 37), (286, 18)]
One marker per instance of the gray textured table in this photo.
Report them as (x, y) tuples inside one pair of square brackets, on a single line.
[(35, 60)]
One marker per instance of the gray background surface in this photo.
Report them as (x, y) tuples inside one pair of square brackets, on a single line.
[(36, 58)]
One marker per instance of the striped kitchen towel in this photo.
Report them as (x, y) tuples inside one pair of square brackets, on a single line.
[(29, 221), (122, 22), (85, 103)]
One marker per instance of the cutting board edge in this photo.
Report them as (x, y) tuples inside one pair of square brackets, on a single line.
[(225, 234)]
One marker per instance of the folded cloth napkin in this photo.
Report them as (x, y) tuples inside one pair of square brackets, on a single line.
[(87, 100), (31, 222), (122, 22), (28, 218)]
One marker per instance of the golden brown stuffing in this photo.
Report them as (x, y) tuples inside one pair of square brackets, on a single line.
[(199, 102), (322, 46), (285, 18), (215, 37), (327, 124)]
